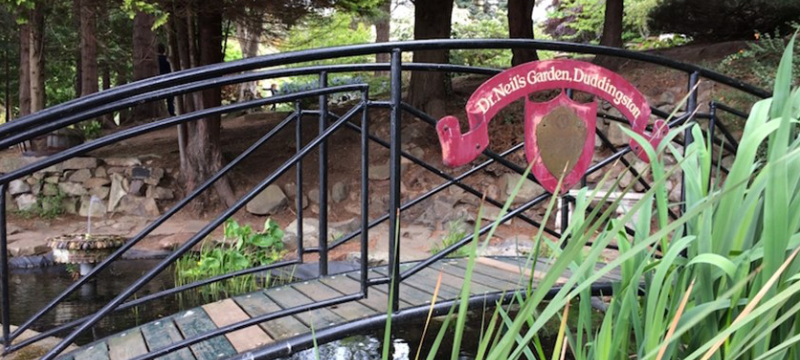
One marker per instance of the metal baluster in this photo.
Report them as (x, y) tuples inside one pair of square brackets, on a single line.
[(394, 165), (323, 178), (299, 179), (712, 120), (364, 192), (4, 291)]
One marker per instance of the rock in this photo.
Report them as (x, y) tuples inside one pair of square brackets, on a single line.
[(441, 211), (727, 162), (313, 196), (96, 182), (72, 189), (100, 172), (173, 241), (290, 189), (156, 174), (26, 202), (122, 161), (29, 246), (269, 201), (11, 163), (615, 134), (80, 163), (36, 188), (340, 228), (117, 191), (339, 192), (310, 234), (159, 193), (675, 193), (100, 192), (379, 172), (96, 207), (49, 189), (138, 205), (32, 180), (528, 191), (492, 213), (51, 179), (513, 246), (80, 176), (70, 205), (136, 187), (18, 186)]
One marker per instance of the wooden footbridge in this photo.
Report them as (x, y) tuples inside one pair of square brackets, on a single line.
[(491, 278), (278, 321)]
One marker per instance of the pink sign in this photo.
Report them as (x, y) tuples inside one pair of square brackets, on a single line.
[(502, 89)]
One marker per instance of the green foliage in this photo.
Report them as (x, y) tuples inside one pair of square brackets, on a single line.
[(455, 232), (482, 28), (315, 31), (759, 61), (241, 248), (91, 129), (582, 20), (46, 207)]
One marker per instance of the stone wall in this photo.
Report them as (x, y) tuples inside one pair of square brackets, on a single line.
[(88, 184)]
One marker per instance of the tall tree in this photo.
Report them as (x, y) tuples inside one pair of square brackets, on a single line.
[(145, 60), (89, 70), (383, 29), (427, 90), (520, 26), (76, 22), (24, 69), (37, 57), (612, 31), (249, 31)]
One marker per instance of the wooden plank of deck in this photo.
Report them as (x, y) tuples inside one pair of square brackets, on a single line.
[(452, 268), (195, 322), (495, 273), (227, 312), (96, 351), (516, 268), (127, 345), (288, 297), (318, 291), (162, 333), (259, 304), (408, 293), (426, 281)]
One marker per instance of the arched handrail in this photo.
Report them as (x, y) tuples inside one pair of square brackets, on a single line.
[(222, 69)]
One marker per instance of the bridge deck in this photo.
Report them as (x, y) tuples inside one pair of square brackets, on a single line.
[(491, 275)]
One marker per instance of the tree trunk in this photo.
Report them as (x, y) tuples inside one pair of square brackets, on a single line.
[(89, 71), (122, 79), (383, 30), (37, 58), (432, 20), (76, 22), (249, 33), (145, 61), (612, 31), (24, 69), (204, 156), (520, 26), (108, 119)]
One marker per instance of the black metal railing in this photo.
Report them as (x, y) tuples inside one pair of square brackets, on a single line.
[(328, 123)]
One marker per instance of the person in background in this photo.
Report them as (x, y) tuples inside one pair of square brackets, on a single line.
[(273, 90), (165, 68)]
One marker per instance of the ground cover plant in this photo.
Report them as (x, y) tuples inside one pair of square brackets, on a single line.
[(719, 282), (241, 248)]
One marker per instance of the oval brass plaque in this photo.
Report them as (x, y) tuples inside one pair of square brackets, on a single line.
[(560, 137)]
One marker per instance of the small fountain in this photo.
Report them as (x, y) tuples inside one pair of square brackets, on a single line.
[(86, 249)]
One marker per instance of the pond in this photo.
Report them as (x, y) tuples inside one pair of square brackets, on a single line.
[(32, 289)]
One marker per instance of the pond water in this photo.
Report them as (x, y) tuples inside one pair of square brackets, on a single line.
[(32, 289)]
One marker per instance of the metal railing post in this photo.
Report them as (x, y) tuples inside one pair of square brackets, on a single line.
[(323, 178), (365, 192), (298, 138), (712, 120), (4, 290), (395, 173)]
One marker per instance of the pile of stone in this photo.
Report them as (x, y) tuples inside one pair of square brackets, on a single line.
[(89, 185)]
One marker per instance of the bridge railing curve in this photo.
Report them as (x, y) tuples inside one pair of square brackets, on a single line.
[(218, 75)]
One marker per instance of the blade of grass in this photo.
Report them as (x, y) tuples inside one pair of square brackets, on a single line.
[(430, 314), (675, 320)]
